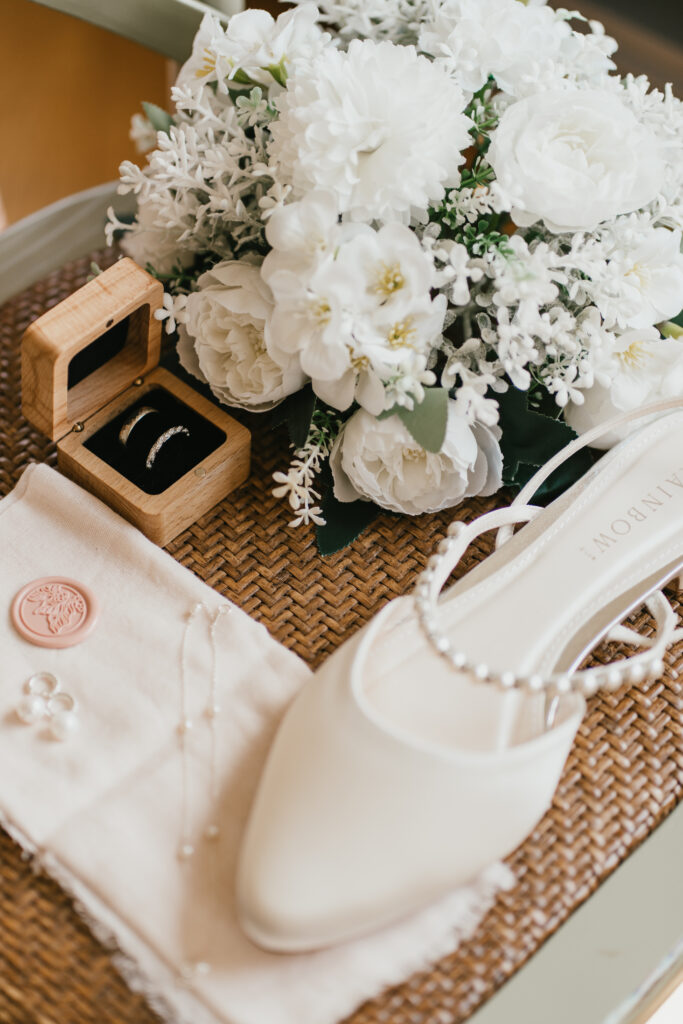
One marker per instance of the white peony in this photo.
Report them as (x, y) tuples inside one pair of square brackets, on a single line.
[(574, 159), (224, 325), (356, 309), (642, 368), (378, 460), (380, 126), (255, 45)]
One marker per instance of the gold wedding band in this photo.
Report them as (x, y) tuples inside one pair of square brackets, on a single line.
[(133, 421)]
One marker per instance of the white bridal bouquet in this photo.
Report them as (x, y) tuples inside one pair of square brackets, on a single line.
[(444, 234)]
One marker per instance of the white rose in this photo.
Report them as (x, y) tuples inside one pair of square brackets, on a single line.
[(378, 460), (574, 159), (643, 368), (226, 319)]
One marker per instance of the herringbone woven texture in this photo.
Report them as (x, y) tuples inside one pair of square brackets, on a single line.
[(622, 778)]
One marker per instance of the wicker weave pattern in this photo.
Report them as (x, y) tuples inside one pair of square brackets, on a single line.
[(623, 776)]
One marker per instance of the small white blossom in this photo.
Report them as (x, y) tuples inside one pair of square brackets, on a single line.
[(173, 311)]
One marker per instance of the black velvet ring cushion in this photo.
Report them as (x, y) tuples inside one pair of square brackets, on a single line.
[(177, 456)]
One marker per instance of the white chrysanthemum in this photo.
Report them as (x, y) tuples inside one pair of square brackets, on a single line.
[(380, 126), (378, 460), (224, 324)]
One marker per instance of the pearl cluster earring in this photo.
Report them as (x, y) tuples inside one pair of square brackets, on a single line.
[(45, 701)]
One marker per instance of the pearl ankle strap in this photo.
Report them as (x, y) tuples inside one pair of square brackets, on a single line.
[(648, 664), (451, 549)]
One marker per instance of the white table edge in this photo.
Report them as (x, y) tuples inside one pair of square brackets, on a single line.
[(608, 963)]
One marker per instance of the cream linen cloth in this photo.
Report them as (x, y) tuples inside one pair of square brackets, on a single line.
[(103, 810)]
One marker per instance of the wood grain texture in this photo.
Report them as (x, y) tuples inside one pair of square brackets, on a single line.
[(69, 91), (48, 347), (161, 517), (52, 341)]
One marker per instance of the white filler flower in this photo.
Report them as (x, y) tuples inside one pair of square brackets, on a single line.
[(642, 368), (380, 126), (378, 460), (226, 318), (503, 38), (574, 158)]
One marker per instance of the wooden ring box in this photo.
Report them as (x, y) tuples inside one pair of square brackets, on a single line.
[(94, 357)]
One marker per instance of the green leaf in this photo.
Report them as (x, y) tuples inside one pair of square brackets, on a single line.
[(279, 72), (529, 439), (344, 521), (160, 119), (426, 421), (673, 328), (297, 412)]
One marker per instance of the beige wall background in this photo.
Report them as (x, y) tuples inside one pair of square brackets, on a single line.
[(69, 91)]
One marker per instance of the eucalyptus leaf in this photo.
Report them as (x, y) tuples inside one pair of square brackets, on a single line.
[(426, 421), (160, 119)]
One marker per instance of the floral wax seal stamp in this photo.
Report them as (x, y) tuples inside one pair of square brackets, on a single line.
[(54, 612)]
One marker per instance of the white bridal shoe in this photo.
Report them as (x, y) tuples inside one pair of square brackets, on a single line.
[(430, 744)]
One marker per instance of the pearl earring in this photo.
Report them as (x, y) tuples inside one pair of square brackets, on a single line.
[(45, 701)]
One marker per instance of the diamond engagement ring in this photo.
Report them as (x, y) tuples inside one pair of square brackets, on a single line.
[(161, 441)]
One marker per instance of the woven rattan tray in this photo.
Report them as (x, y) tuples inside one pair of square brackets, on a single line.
[(624, 776)]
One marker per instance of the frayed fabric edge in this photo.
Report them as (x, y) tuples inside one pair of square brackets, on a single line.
[(169, 995), (145, 974)]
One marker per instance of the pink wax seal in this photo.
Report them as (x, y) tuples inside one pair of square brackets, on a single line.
[(55, 612)]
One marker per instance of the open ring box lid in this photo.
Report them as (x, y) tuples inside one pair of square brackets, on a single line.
[(94, 356)]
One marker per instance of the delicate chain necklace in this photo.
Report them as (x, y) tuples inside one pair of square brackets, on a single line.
[(186, 725)]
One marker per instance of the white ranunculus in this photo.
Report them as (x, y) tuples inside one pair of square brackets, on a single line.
[(378, 460), (253, 42), (225, 319), (574, 158), (380, 126), (642, 368)]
